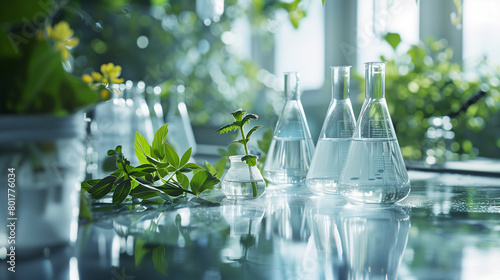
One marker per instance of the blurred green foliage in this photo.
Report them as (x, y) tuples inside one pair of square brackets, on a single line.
[(32, 77), (423, 82), (178, 51)]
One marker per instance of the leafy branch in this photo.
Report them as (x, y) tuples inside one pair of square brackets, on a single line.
[(240, 120), (161, 173)]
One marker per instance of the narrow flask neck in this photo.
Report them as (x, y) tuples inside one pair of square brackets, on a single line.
[(340, 82), (292, 89), (375, 80)]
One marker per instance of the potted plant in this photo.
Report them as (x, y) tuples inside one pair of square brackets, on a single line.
[(42, 128), (243, 180)]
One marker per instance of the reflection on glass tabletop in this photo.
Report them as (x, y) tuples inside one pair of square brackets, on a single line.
[(448, 228)]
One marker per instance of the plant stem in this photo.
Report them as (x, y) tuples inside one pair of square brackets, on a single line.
[(254, 184)]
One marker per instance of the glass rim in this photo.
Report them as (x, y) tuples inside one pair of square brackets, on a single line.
[(375, 63), (235, 157), (340, 66)]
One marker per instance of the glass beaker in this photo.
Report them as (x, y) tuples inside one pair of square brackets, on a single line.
[(292, 148), (374, 171), (335, 136)]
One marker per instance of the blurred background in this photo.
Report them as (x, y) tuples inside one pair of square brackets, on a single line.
[(442, 79)]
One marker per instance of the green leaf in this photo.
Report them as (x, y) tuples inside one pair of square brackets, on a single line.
[(240, 141), (183, 180), (142, 148), (158, 140), (251, 160), (140, 250), (142, 170), (393, 39), (86, 185), (102, 188), (220, 166), (185, 157), (296, 16), (201, 181), (143, 192), (192, 166), (210, 168), (114, 153), (172, 156), (249, 117), (121, 191), (85, 206), (159, 262), (155, 162), (197, 181), (238, 114), (228, 127), (251, 131), (164, 196), (121, 166), (144, 183)]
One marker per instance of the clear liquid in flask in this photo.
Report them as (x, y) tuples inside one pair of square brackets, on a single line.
[(374, 172), (326, 166), (288, 160)]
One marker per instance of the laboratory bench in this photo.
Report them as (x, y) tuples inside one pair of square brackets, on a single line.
[(447, 228)]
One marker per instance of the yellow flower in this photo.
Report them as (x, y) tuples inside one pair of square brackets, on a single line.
[(111, 73), (63, 38), (97, 77), (87, 78), (103, 82), (104, 94)]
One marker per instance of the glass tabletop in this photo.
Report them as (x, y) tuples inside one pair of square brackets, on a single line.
[(448, 228)]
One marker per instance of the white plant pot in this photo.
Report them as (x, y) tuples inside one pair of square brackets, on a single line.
[(46, 154)]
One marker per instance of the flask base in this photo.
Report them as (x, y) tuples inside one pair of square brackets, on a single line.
[(322, 185), (285, 177), (371, 194)]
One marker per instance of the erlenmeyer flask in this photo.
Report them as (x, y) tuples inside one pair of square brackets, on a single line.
[(335, 136), (374, 171), (154, 103), (140, 120), (292, 148), (180, 132)]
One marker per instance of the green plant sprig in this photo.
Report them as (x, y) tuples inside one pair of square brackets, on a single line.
[(240, 120), (161, 173)]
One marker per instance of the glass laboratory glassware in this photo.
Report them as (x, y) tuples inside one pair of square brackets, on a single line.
[(155, 108), (374, 170), (292, 148), (112, 127), (374, 239), (242, 181), (180, 132), (335, 136), (140, 120)]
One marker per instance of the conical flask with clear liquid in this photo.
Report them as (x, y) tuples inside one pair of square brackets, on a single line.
[(335, 136), (374, 170), (291, 148)]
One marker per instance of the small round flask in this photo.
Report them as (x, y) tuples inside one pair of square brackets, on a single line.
[(374, 171), (242, 181), (335, 136)]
